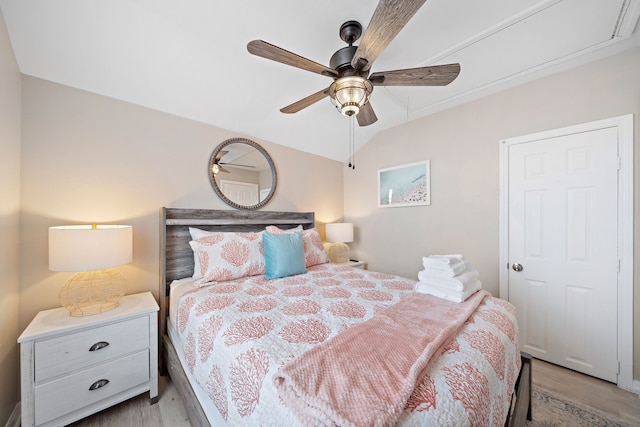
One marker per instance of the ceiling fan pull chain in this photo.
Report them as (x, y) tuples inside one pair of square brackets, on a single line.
[(349, 140), (353, 144), (351, 165)]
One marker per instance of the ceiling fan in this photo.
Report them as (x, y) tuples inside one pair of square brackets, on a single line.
[(349, 67), (217, 163)]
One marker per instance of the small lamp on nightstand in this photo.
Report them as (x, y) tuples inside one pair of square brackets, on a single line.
[(90, 251), (339, 234)]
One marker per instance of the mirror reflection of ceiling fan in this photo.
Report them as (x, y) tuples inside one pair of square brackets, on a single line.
[(352, 85), (217, 164)]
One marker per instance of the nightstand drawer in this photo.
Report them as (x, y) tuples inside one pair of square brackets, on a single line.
[(64, 395), (73, 352)]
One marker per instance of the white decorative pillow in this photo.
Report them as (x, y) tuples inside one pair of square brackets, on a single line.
[(277, 230), (227, 256), (314, 252), (196, 234)]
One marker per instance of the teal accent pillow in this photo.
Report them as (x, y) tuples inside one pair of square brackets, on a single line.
[(283, 254)]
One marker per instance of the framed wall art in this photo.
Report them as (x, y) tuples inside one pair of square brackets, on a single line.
[(406, 185)]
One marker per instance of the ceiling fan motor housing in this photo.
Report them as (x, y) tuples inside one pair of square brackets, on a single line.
[(341, 60), (350, 31)]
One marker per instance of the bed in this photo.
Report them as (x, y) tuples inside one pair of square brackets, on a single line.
[(289, 318)]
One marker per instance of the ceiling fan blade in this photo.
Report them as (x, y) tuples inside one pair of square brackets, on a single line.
[(275, 53), (221, 154), (437, 75), (222, 169), (366, 116), (235, 164), (305, 102), (388, 19)]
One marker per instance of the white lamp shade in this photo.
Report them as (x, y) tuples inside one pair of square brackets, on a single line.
[(84, 248), (339, 232)]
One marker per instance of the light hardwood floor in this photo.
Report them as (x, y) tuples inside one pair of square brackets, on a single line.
[(601, 395), (170, 411), (138, 412)]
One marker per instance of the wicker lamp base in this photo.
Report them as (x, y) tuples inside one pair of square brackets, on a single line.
[(338, 252), (92, 292)]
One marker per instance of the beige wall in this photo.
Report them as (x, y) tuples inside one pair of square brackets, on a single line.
[(89, 158), (10, 82), (463, 146)]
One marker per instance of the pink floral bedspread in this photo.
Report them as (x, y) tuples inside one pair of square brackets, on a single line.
[(236, 335)]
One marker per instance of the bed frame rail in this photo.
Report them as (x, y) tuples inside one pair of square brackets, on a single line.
[(521, 409)]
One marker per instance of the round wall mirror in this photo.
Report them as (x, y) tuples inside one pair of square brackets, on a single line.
[(242, 173)]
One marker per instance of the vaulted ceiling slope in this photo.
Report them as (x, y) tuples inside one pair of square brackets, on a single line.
[(190, 58)]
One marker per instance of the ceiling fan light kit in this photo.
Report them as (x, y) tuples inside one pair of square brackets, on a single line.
[(350, 65), (349, 94)]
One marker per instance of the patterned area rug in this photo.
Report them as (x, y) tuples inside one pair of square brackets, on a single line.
[(550, 410)]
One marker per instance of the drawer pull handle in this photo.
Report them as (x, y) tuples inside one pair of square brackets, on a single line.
[(99, 345), (98, 384)]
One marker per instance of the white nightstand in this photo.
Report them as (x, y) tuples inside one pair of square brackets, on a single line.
[(72, 367), (357, 264)]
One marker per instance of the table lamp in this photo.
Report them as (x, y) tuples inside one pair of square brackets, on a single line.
[(339, 233), (90, 251)]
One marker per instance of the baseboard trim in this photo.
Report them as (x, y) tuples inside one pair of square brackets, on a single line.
[(15, 418), (636, 387)]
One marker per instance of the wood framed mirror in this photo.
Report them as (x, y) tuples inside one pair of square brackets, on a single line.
[(242, 173)]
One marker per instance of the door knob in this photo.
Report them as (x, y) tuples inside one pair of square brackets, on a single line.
[(517, 267)]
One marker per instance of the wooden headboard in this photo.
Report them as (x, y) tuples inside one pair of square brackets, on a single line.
[(176, 254)]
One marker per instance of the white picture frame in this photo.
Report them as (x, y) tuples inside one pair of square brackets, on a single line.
[(405, 185)]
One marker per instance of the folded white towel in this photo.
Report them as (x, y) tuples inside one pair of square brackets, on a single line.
[(446, 270), (455, 296), (446, 258), (459, 282), (442, 260), (447, 290)]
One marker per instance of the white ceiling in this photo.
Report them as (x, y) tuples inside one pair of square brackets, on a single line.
[(189, 57)]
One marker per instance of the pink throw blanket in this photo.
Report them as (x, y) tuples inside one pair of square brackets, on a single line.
[(365, 375)]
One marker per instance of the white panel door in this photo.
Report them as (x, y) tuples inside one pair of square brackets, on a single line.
[(242, 193), (563, 249)]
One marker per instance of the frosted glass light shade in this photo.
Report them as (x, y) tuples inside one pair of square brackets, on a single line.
[(91, 251), (339, 232), (350, 93)]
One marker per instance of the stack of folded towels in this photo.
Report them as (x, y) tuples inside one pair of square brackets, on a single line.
[(449, 277)]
